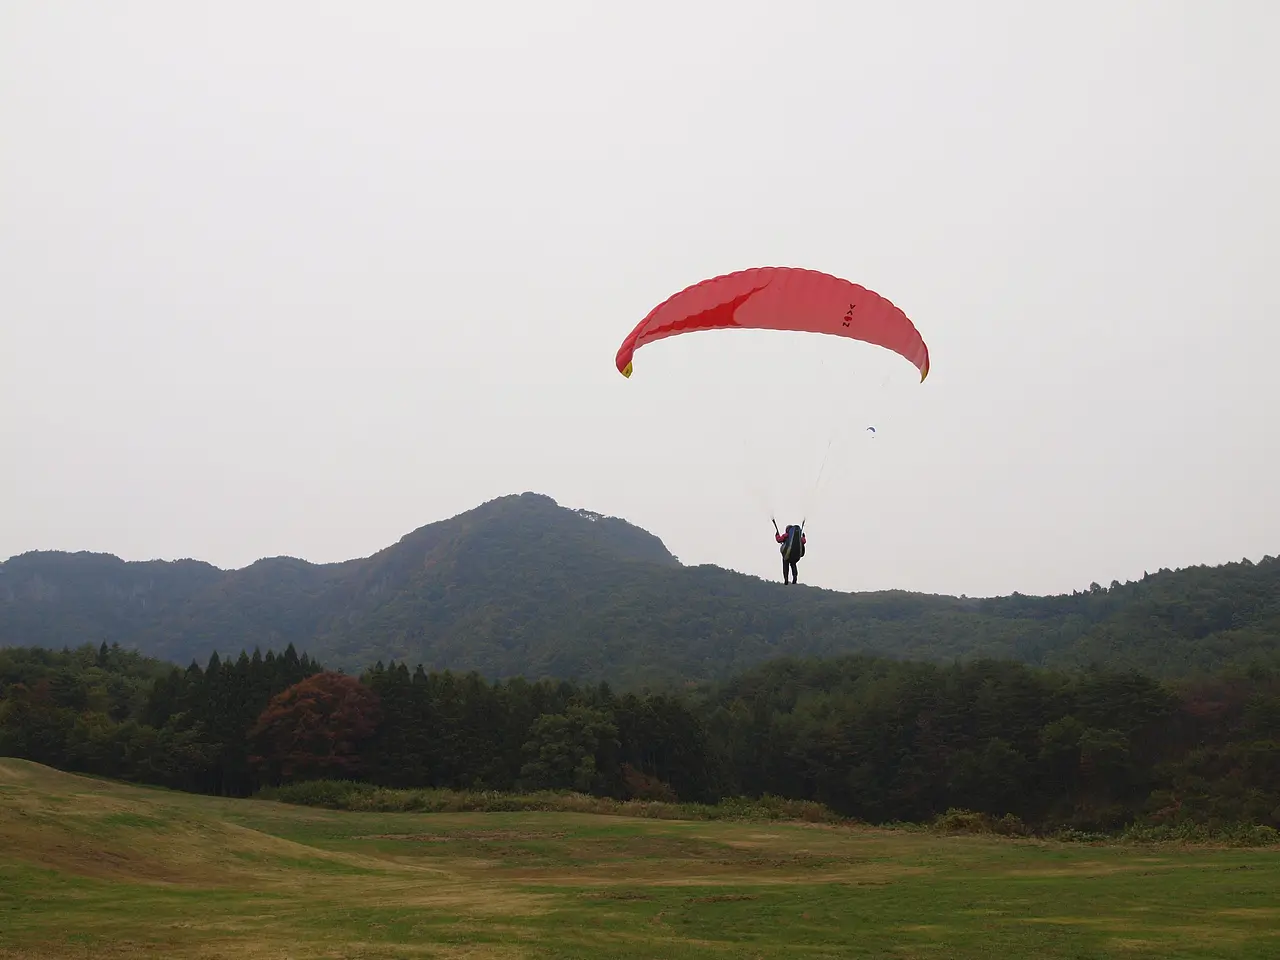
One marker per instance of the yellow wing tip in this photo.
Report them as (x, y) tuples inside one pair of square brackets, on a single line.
[(626, 371)]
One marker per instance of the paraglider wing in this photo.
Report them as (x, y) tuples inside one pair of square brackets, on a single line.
[(780, 298)]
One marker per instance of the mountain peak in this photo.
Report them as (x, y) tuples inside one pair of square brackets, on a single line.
[(536, 520)]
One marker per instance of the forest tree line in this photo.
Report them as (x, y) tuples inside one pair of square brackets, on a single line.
[(881, 740)]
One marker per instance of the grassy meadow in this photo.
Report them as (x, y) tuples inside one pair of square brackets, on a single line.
[(101, 870)]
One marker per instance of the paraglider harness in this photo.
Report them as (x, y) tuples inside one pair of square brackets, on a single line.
[(793, 547)]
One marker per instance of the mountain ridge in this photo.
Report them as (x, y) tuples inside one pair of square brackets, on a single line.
[(522, 585)]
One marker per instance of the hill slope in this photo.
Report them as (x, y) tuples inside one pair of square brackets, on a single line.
[(95, 869), (520, 585)]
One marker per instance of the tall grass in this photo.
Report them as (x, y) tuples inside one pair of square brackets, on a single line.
[(1223, 834), (350, 795), (365, 797)]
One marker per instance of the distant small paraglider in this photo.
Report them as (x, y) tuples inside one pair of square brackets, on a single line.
[(872, 429)]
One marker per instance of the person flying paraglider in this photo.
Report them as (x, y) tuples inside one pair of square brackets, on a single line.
[(784, 299), (793, 542)]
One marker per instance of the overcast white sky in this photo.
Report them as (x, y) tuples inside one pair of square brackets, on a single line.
[(296, 278)]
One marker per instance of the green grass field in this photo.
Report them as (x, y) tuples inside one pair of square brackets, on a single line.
[(92, 869)]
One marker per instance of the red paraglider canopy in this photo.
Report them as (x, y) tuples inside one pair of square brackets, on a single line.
[(781, 298)]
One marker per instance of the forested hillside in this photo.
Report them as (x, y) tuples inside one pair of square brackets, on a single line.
[(523, 587), (881, 740)]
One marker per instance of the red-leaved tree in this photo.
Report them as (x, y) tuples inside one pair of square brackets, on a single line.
[(314, 729)]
